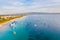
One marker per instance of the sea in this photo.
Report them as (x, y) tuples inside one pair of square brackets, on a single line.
[(32, 27)]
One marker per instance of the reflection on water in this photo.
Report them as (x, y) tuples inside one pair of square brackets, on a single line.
[(33, 27)]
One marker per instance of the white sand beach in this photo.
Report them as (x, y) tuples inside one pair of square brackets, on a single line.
[(2, 24)]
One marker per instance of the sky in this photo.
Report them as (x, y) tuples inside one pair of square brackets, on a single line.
[(22, 6)]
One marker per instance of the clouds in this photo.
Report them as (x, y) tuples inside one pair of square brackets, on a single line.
[(55, 1), (28, 2), (17, 3), (18, 6)]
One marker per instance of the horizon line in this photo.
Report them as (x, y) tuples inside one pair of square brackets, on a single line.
[(30, 14)]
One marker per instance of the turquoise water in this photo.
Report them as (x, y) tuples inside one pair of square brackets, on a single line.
[(34, 27)]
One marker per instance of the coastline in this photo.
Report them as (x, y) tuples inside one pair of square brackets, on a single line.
[(2, 24)]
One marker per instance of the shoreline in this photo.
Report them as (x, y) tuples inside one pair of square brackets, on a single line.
[(2, 24)]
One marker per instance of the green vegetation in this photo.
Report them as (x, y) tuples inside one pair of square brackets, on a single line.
[(5, 19)]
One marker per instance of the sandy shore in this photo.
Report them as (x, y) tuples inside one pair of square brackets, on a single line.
[(2, 24)]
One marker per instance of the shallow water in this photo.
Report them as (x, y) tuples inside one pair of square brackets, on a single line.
[(33, 27)]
